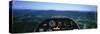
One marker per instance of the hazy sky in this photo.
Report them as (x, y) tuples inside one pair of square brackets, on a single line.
[(51, 6)]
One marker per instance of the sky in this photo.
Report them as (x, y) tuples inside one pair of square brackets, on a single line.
[(51, 6), (85, 2)]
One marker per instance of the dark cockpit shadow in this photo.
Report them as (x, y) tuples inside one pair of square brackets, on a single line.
[(57, 24)]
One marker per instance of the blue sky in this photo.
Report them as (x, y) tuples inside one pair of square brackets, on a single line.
[(51, 6)]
